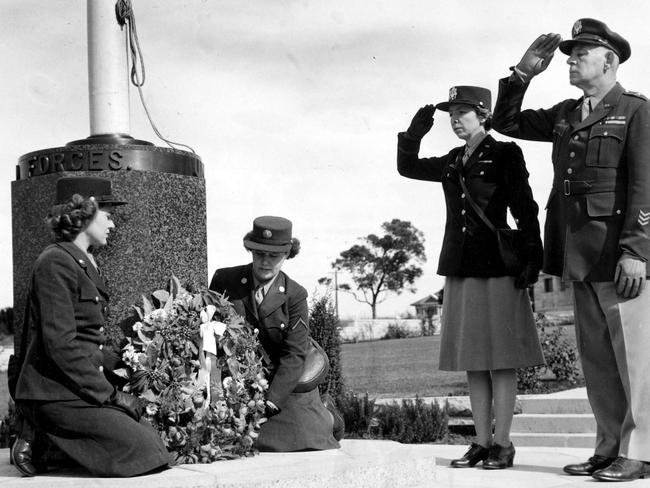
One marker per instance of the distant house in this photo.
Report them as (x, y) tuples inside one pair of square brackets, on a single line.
[(428, 311), (550, 294)]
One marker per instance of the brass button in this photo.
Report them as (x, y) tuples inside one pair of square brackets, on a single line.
[(462, 212), (101, 329), (282, 326), (464, 229), (618, 212), (576, 137), (101, 369), (572, 154), (570, 170), (101, 346), (482, 173), (462, 195), (605, 133)]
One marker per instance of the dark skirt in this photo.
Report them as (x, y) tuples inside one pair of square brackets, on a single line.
[(102, 439), (487, 324), (303, 424)]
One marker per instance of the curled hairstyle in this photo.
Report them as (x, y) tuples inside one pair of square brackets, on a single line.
[(487, 115), (293, 252), (68, 219)]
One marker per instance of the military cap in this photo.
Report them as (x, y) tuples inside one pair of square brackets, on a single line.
[(271, 234), (468, 95), (86, 186), (592, 31)]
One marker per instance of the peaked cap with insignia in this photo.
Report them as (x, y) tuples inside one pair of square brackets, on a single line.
[(271, 234), (467, 95), (595, 32)]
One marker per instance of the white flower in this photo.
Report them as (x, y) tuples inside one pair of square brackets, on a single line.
[(137, 327)]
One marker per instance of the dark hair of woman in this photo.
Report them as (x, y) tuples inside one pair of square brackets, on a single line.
[(68, 219), (485, 114)]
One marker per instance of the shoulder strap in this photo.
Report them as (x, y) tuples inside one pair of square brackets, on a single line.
[(473, 204)]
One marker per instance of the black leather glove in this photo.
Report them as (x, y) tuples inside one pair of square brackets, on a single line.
[(421, 123), (271, 409), (130, 404), (527, 277)]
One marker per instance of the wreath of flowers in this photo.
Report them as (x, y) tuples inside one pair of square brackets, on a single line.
[(195, 363)]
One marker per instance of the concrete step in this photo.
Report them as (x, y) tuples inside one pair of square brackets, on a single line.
[(529, 439), (541, 404), (578, 423)]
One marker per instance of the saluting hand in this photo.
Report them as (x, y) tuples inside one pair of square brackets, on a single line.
[(630, 276), (538, 56), (421, 123)]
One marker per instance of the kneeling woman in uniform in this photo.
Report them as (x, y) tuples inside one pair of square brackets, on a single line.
[(488, 328), (63, 387), (277, 307)]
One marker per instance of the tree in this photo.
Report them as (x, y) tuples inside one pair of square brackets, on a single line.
[(324, 327), (382, 264)]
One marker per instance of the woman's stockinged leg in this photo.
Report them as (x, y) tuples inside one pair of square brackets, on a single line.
[(504, 391), (480, 396)]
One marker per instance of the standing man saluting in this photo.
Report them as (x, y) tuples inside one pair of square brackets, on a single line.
[(596, 233)]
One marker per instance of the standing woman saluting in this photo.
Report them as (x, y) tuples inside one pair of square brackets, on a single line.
[(488, 327)]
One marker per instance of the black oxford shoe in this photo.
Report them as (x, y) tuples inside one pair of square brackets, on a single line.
[(623, 469), (474, 454), (500, 457), (594, 463), (21, 457)]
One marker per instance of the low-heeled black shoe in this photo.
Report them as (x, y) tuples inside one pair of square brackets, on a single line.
[(21, 457), (623, 469), (592, 464), (338, 430), (474, 454), (500, 457)]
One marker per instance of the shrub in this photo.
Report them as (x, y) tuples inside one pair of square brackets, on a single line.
[(409, 422), (396, 330), (324, 326), (560, 355), (6, 321)]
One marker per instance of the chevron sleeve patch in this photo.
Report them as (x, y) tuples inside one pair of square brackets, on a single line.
[(644, 218)]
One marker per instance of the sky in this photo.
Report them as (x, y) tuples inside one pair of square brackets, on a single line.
[(294, 106)]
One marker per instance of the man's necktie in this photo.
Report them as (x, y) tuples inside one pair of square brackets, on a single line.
[(466, 155), (586, 108)]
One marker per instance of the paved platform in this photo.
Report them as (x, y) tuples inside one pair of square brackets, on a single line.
[(358, 464)]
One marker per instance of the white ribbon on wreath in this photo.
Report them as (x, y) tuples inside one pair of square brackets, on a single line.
[(211, 330)]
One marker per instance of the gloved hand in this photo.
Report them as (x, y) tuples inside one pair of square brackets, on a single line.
[(130, 404), (271, 409), (630, 276), (527, 277), (421, 123), (538, 56)]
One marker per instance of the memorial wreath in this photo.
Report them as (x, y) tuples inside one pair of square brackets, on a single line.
[(196, 364)]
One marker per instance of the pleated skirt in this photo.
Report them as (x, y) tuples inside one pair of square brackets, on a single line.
[(303, 424), (487, 324)]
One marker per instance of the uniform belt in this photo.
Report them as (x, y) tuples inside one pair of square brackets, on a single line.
[(570, 187)]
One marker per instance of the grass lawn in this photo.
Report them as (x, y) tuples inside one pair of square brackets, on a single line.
[(399, 368), (404, 368)]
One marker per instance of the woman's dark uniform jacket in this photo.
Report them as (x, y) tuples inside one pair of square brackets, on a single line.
[(496, 176), (68, 305), (281, 320), (66, 370)]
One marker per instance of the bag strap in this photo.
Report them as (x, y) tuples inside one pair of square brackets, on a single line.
[(477, 209)]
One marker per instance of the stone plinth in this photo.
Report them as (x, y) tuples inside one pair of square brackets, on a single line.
[(161, 231)]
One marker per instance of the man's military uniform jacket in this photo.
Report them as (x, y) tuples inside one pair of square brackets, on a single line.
[(65, 358), (599, 206), (496, 176), (281, 320)]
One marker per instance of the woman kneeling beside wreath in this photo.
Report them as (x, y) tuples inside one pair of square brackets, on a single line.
[(277, 307)]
